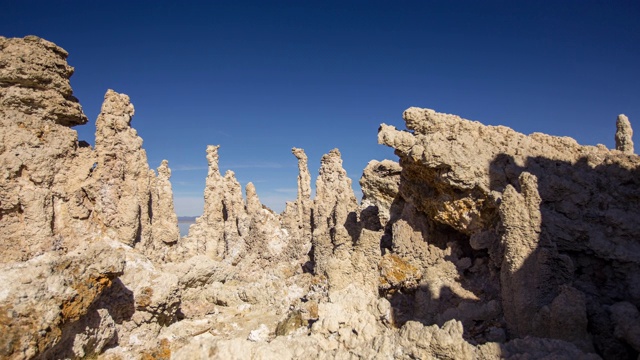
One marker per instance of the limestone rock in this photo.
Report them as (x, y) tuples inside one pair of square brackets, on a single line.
[(297, 217), (34, 78), (36, 109), (481, 243), (266, 237), (122, 189), (546, 210), (206, 236), (304, 178), (45, 297), (165, 221), (379, 182), (624, 135), (334, 214)]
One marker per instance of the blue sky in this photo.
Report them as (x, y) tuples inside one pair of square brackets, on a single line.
[(261, 77)]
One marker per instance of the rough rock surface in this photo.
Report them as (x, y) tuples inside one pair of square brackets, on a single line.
[(481, 243), (542, 212), (37, 148), (65, 208), (624, 134), (379, 183)]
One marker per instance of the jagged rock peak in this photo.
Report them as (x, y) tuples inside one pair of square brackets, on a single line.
[(304, 178), (624, 135), (212, 158), (253, 202), (113, 126), (379, 183), (164, 171), (122, 173), (34, 79), (542, 207), (164, 221), (334, 212)]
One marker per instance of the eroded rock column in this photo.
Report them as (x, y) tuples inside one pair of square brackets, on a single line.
[(335, 218), (38, 150), (165, 220), (123, 186), (624, 135)]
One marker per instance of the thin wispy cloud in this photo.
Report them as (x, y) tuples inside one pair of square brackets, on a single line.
[(183, 183), (259, 165), (287, 190), (189, 168), (189, 193)]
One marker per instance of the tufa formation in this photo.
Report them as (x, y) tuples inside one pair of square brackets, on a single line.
[(479, 243)]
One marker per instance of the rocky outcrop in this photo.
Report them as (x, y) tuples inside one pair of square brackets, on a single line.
[(34, 78), (68, 213), (481, 243), (36, 109), (335, 216), (207, 234), (542, 211), (297, 216), (624, 134), (379, 183), (45, 299), (123, 181), (165, 221)]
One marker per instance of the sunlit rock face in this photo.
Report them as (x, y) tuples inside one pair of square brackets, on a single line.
[(477, 243)]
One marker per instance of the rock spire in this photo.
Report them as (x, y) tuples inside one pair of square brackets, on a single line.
[(624, 135)]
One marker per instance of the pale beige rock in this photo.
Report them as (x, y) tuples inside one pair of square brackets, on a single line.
[(36, 108), (546, 210), (44, 298), (123, 182), (481, 243), (297, 218), (206, 236), (304, 178), (35, 81), (165, 221), (379, 183), (266, 238), (335, 217), (236, 221), (624, 135)]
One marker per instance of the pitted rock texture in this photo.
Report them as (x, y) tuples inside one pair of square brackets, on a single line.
[(65, 208), (46, 297), (34, 80), (624, 135), (481, 243), (36, 108), (379, 183), (542, 211)]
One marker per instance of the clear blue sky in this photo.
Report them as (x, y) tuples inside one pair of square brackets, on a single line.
[(261, 77)]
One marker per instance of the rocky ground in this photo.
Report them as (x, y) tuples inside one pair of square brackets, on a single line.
[(479, 243)]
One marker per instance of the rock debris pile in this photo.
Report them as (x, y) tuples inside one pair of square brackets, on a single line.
[(480, 243)]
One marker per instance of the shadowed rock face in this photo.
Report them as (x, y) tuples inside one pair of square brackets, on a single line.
[(545, 210), (480, 243)]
